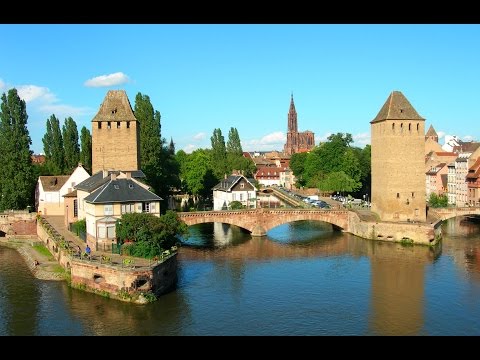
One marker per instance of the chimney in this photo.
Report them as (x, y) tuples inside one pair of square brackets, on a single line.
[(128, 174)]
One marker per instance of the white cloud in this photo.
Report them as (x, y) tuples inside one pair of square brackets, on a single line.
[(2, 85), (107, 80), (361, 139), (273, 141), (323, 138), (34, 92), (467, 138), (200, 136), (440, 134), (189, 148), (46, 102)]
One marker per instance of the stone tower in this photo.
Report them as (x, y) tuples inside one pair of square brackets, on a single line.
[(115, 135), (297, 142), (431, 134), (398, 161)]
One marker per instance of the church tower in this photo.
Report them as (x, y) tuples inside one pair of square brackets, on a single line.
[(431, 134), (297, 142), (398, 161), (115, 135)]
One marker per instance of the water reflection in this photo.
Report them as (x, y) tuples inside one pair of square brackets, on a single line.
[(302, 279)]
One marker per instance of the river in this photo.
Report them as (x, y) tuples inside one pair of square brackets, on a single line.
[(302, 279)]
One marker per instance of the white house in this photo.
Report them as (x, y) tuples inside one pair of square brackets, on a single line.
[(50, 190), (234, 188)]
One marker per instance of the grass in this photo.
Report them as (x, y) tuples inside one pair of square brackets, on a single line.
[(41, 249)]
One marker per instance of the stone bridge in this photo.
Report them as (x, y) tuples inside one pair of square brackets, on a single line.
[(17, 222), (447, 213), (259, 221)]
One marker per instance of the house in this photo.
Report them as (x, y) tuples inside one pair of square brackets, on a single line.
[(50, 191), (268, 176), (106, 204), (434, 182), (473, 184), (234, 188)]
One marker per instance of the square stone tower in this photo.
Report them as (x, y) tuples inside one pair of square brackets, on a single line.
[(115, 135), (398, 161)]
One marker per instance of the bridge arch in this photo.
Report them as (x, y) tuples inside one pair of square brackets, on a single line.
[(448, 213), (259, 221)]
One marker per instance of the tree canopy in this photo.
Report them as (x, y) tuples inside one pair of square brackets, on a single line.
[(70, 144), (17, 182), (86, 148)]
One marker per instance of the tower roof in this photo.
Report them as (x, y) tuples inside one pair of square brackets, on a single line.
[(292, 106), (431, 132), (115, 107), (397, 107)]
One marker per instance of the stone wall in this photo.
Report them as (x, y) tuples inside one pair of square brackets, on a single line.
[(419, 233)]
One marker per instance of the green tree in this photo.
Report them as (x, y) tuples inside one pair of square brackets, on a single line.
[(198, 175), (53, 146), (17, 182), (351, 164), (151, 235), (70, 144), (219, 153), (234, 145), (338, 181), (86, 148), (297, 165), (151, 143), (236, 205), (437, 201)]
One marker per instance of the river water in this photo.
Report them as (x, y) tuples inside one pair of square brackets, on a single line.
[(302, 279)]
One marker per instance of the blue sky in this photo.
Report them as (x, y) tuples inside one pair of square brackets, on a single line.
[(202, 77)]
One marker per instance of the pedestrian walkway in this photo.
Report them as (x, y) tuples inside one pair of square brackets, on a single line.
[(115, 259)]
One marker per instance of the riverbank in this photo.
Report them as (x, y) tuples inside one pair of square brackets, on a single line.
[(47, 268)]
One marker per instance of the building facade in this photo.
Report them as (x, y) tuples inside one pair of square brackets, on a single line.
[(115, 135), (234, 188), (398, 160), (473, 184), (297, 141)]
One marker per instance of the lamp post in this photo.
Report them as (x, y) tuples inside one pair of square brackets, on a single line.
[(66, 222)]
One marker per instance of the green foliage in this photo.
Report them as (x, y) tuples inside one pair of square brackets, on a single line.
[(438, 201), (86, 148), (197, 173), (53, 146), (70, 144), (297, 165), (406, 241), (219, 154), (17, 181), (41, 249), (150, 297), (233, 144), (236, 205), (79, 226), (338, 181), (150, 234)]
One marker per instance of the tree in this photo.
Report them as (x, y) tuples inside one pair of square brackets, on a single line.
[(234, 145), (150, 234), (351, 165), (150, 141), (297, 165), (219, 153), (86, 148), (198, 175), (17, 182), (338, 181), (70, 144), (437, 201), (53, 146)]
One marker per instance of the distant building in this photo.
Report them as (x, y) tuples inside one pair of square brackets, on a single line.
[(115, 135), (234, 188), (297, 141), (38, 159), (473, 184), (451, 183), (398, 160), (431, 141), (434, 180)]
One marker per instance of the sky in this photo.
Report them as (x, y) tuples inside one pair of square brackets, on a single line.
[(206, 76)]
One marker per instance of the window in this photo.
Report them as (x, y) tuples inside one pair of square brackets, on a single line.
[(146, 207), (409, 127), (152, 207), (128, 124), (413, 195), (416, 212), (417, 126), (393, 126), (398, 195), (75, 208), (108, 209), (109, 125), (241, 197), (242, 185), (128, 208), (99, 125)]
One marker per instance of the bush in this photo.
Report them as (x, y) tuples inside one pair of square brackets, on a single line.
[(236, 205)]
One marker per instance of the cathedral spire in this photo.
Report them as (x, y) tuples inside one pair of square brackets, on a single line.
[(292, 117)]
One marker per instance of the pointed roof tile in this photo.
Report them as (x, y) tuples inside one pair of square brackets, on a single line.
[(431, 132), (397, 107), (115, 107)]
